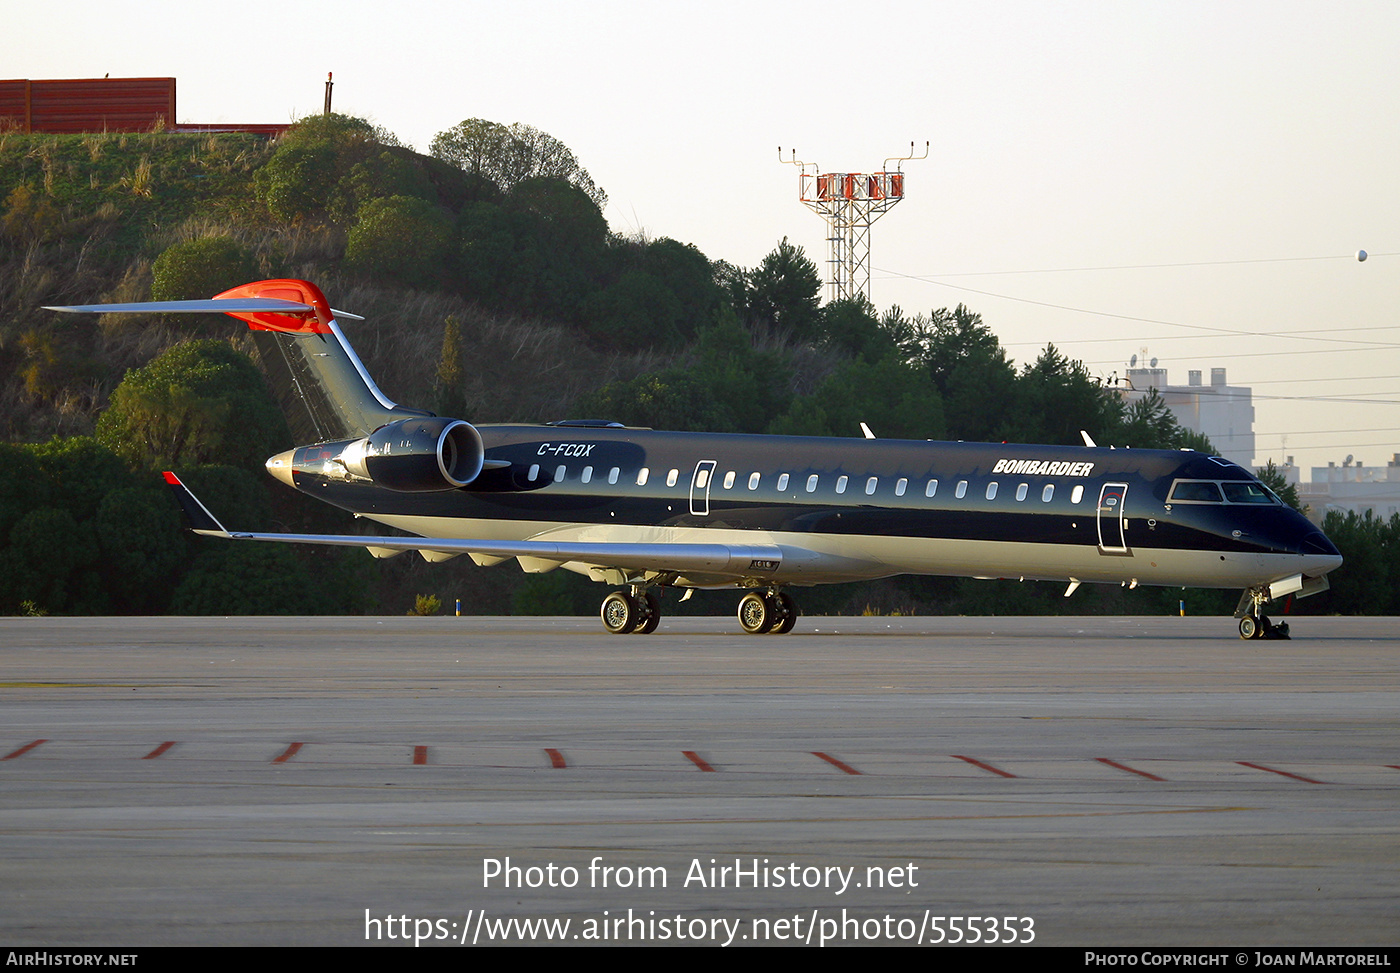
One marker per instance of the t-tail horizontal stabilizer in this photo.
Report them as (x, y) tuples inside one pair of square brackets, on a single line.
[(323, 387)]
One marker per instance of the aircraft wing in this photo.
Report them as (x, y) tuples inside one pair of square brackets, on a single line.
[(748, 560)]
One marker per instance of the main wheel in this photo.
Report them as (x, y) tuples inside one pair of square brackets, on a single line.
[(756, 615), (620, 612), (1249, 627), (651, 615), (787, 614)]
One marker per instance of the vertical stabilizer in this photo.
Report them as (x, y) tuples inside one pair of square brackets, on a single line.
[(318, 379)]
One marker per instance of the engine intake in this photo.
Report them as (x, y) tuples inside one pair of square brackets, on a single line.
[(418, 455)]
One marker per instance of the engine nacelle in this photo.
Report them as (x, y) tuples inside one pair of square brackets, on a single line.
[(418, 455)]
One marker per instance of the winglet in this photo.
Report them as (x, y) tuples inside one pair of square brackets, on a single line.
[(201, 520)]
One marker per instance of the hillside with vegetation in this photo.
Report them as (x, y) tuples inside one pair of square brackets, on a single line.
[(493, 290)]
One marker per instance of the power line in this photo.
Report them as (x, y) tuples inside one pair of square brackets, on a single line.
[(1192, 263), (1130, 317)]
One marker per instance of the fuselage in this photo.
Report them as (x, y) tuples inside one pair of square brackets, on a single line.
[(847, 509)]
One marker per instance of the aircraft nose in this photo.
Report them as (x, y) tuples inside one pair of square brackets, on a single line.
[(1318, 543), (1320, 554)]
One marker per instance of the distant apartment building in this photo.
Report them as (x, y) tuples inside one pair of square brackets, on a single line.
[(1352, 487), (1223, 412)]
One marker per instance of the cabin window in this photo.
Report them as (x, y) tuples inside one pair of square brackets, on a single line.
[(812, 483), (961, 491), (587, 474), (992, 490), (534, 472), (782, 482), (559, 472), (901, 486), (841, 482), (1022, 490), (702, 478), (1077, 494), (870, 485), (642, 475), (931, 489), (613, 474), (753, 481), (1047, 493), (672, 477), (729, 480)]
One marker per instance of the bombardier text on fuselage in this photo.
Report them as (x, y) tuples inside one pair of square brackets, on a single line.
[(647, 511)]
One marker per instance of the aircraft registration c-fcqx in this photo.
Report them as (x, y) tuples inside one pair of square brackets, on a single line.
[(645, 510)]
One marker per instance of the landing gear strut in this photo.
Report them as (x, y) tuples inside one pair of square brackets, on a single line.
[(767, 611), (1254, 624), (636, 612)]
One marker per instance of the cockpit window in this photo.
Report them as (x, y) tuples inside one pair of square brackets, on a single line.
[(1243, 492), (1194, 491), (1228, 491)]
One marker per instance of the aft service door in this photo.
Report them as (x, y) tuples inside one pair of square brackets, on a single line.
[(700, 488), (1111, 539)]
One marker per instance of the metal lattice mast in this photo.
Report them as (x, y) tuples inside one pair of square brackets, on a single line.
[(850, 202)]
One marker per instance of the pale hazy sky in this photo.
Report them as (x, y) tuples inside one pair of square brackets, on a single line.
[(1192, 178)]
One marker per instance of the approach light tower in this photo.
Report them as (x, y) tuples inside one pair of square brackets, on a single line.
[(850, 202)]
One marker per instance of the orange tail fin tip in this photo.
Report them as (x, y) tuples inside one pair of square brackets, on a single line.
[(302, 292)]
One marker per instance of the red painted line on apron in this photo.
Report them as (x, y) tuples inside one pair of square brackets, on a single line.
[(840, 765), (420, 756), (287, 754), (556, 759), (23, 750), (698, 761), (159, 750), (977, 763), (1131, 770), (1281, 773)]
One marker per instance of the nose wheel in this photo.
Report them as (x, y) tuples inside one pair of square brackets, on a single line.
[(1259, 627), (767, 611), (1254, 624)]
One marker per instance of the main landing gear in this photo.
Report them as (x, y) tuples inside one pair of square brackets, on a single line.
[(1254, 624), (638, 611), (767, 611)]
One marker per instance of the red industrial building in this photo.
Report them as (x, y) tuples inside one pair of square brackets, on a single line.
[(101, 105)]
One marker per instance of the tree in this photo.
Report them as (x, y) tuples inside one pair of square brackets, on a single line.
[(449, 399), (895, 399), (297, 182), (199, 402), (400, 238), (1148, 423), (199, 269), (1272, 477), (330, 165), (1057, 398), (784, 291), (970, 369), (851, 326), (508, 155)]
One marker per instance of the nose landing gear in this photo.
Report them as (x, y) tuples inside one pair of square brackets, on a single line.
[(1254, 624)]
